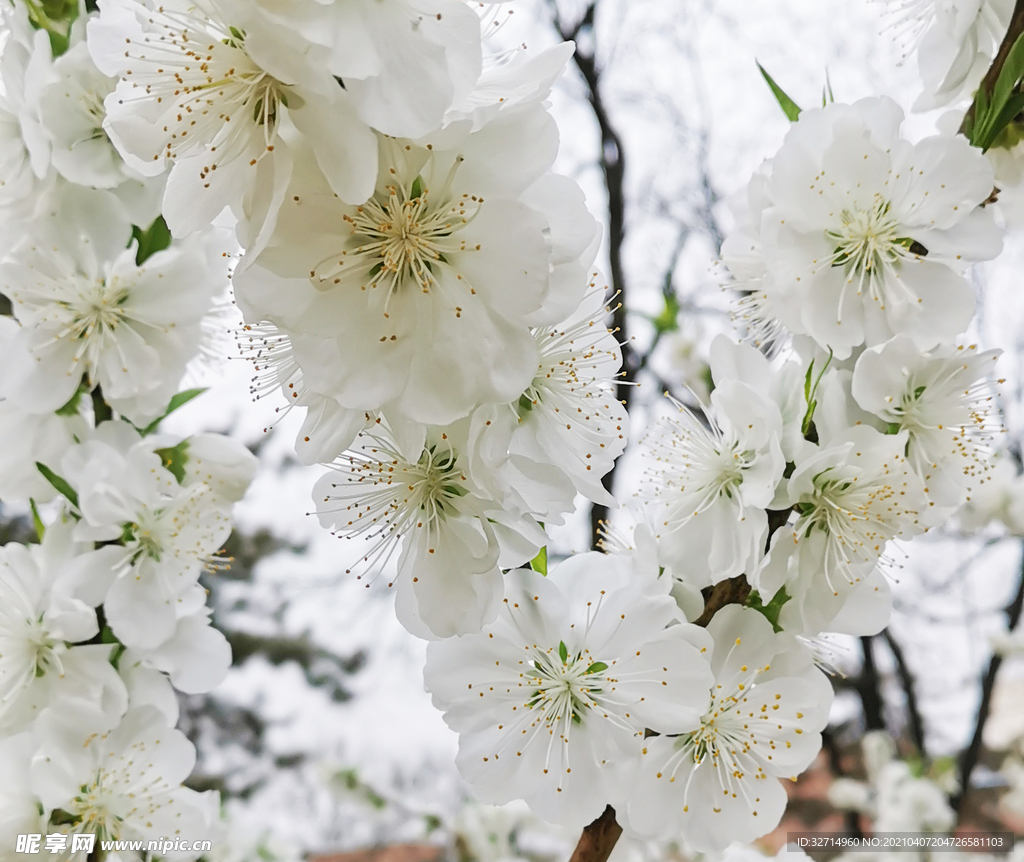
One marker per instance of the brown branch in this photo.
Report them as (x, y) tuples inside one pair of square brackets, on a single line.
[(732, 591), (598, 839), (613, 166), (969, 759), (914, 720), (869, 688), (988, 83)]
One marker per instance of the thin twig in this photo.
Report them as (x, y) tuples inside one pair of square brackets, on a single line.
[(969, 759), (914, 719), (613, 166)]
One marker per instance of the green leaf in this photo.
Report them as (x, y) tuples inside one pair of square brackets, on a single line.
[(810, 389), (156, 237), (992, 112), (174, 459), (179, 400), (37, 522), (771, 610), (789, 107), (59, 483), (563, 652), (540, 563), (596, 667), (668, 320)]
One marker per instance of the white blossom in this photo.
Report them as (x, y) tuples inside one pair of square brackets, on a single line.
[(160, 533), (27, 437), (405, 62), (328, 428), (420, 300), (943, 401), (207, 89), (39, 623), (196, 657), (88, 311), (955, 42), (449, 532), (72, 114), (565, 431), (119, 781), (25, 61), (709, 484), (762, 718), (856, 234), (999, 496), (19, 809), (555, 695), (849, 499)]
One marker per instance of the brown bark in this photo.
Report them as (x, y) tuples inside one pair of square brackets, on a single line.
[(598, 839), (733, 591)]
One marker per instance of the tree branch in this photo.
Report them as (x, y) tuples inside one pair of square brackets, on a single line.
[(969, 759), (733, 591), (598, 839), (868, 688), (915, 721), (613, 166)]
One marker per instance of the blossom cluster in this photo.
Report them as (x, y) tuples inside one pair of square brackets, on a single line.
[(103, 618), (416, 280)]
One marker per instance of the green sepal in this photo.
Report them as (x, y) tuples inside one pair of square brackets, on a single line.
[(563, 652), (596, 667), (540, 563), (60, 817), (107, 636), (790, 108), (59, 483), (810, 389), (156, 237), (56, 18), (37, 522), (416, 189), (771, 610)]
